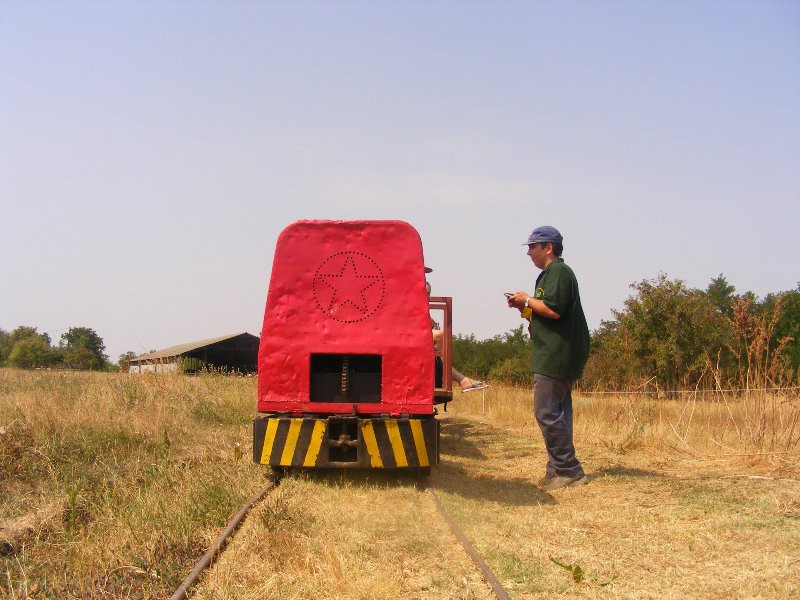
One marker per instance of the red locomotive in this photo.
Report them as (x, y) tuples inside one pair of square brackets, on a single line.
[(347, 372)]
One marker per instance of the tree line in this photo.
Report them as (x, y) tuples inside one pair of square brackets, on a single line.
[(668, 336), (78, 348)]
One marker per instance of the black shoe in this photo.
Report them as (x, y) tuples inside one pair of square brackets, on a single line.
[(549, 484), (545, 480)]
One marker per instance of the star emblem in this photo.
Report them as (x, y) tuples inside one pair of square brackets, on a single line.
[(349, 286)]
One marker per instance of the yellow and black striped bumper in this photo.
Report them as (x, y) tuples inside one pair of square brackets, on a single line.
[(346, 442)]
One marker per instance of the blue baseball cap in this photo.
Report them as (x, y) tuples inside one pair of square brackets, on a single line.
[(544, 235)]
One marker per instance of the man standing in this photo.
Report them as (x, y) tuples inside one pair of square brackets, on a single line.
[(560, 349)]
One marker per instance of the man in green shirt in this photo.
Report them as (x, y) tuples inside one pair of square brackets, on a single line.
[(560, 349)]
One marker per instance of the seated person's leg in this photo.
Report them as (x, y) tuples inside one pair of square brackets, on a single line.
[(465, 383)]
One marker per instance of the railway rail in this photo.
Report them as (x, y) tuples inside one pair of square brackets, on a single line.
[(217, 547), (208, 558)]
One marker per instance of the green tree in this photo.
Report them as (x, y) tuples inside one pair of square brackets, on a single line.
[(31, 352), (512, 362), (81, 358), (83, 348), (672, 331), (513, 369), (124, 360), (611, 364), (721, 294), (502, 357), (5, 348), (22, 332), (785, 336)]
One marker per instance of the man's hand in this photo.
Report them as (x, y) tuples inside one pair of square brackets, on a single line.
[(518, 300)]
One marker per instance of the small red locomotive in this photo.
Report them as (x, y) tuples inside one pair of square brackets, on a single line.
[(348, 376)]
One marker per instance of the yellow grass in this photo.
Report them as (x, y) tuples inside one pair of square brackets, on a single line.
[(112, 486), (344, 536), (757, 432)]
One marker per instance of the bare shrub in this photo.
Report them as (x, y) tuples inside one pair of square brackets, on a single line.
[(770, 419)]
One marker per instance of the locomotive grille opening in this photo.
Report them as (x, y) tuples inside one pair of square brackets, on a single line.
[(351, 378), (343, 440)]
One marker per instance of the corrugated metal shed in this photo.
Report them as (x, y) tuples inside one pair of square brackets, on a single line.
[(237, 351), (174, 351)]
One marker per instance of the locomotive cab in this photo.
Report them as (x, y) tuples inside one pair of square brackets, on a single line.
[(347, 372)]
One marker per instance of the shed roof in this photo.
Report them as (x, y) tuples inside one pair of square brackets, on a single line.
[(174, 351)]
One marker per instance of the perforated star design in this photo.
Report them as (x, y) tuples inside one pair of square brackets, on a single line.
[(349, 286)]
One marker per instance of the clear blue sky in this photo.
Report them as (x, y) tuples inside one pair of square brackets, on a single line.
[(151, 152)]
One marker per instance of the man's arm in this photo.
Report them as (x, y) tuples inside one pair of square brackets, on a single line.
[(521, 298)]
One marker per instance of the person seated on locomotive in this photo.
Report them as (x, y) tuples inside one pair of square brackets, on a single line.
[(466, 384)]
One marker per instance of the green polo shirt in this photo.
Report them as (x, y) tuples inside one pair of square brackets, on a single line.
[(560, 346)]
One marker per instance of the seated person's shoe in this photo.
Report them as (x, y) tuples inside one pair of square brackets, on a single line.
[(474, 386)]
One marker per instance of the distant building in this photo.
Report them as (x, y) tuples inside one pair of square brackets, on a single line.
[(234, 352)]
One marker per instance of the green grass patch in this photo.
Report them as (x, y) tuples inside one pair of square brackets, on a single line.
[(527, 576)]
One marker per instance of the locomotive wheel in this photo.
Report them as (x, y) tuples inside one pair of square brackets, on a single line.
[(421, 476)]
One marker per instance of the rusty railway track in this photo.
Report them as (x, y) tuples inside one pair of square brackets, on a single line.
[(490, 577), (216, 548), (182, 592)]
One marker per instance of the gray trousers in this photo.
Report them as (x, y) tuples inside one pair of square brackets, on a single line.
[(552, 405)]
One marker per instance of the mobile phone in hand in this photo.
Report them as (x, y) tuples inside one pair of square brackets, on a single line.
[(507, 294)]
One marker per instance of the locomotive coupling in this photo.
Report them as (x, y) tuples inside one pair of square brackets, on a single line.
[(343, 440)]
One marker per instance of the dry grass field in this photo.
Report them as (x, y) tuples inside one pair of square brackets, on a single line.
[(112, 486), (684, 501)]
